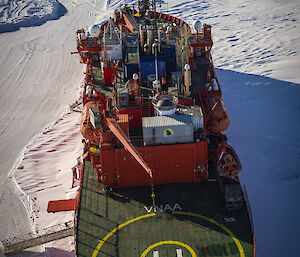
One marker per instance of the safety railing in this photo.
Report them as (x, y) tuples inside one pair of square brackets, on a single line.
[(39, 237), (250, 215)]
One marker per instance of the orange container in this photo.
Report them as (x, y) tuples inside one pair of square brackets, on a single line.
[(169, 163), (123, 123)]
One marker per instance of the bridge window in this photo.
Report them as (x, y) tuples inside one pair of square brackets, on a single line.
[(132, 54)]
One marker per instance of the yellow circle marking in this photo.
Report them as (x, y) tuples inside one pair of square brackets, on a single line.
[(237, 242), (102, 241), (192, 252)]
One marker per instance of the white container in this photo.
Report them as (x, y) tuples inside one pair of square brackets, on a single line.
[(196, 115), (167, 130)]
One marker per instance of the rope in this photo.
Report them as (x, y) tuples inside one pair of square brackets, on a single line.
[(152, 193)]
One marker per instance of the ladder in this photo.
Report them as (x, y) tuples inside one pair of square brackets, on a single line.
[(46, 235), (146, 107)]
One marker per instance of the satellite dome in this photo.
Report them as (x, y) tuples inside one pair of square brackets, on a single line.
[(94, 31), (197, 26), (164, 105), (135, 76), (165, 102), (187, 67)]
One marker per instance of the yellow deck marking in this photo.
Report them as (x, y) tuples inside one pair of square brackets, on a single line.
[(237, 242), (102, 241), (192, 252)]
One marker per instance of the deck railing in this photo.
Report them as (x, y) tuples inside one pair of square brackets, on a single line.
[(250, 215), (16, 244)]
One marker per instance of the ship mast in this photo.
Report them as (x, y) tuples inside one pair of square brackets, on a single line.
[(154, 14), (146, 5)]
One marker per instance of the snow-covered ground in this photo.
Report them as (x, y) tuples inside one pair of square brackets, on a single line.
[(39, 80), (257, 53), (23, 13)]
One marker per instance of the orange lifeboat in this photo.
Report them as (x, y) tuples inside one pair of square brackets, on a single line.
[(228, 164), (216, 114), (86, 127)]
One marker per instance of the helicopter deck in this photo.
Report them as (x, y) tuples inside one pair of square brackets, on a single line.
[(188, 219)]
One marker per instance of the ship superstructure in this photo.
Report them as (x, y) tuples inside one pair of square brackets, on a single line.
[(158, 177)]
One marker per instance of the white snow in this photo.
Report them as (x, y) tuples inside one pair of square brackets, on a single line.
[(257, 55), (39, 79), (22, 13)]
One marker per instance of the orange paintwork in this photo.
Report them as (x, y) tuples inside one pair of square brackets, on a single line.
[(228, 164), (87, 129), (134, 116), (123, 123), (61, 205), (108, 76), (169, 163), (217, 119), (117, 131), (185, 101)]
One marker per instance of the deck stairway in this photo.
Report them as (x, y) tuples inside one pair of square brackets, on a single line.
[(146, 107), (111, 35), (46, 235), (132, 21)]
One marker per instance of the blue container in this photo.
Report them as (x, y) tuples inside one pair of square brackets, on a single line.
[(170, 57), (130, 69), (147, 66), (170, 51)]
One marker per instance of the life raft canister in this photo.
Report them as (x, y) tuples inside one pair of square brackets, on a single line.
[(86, 127)]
